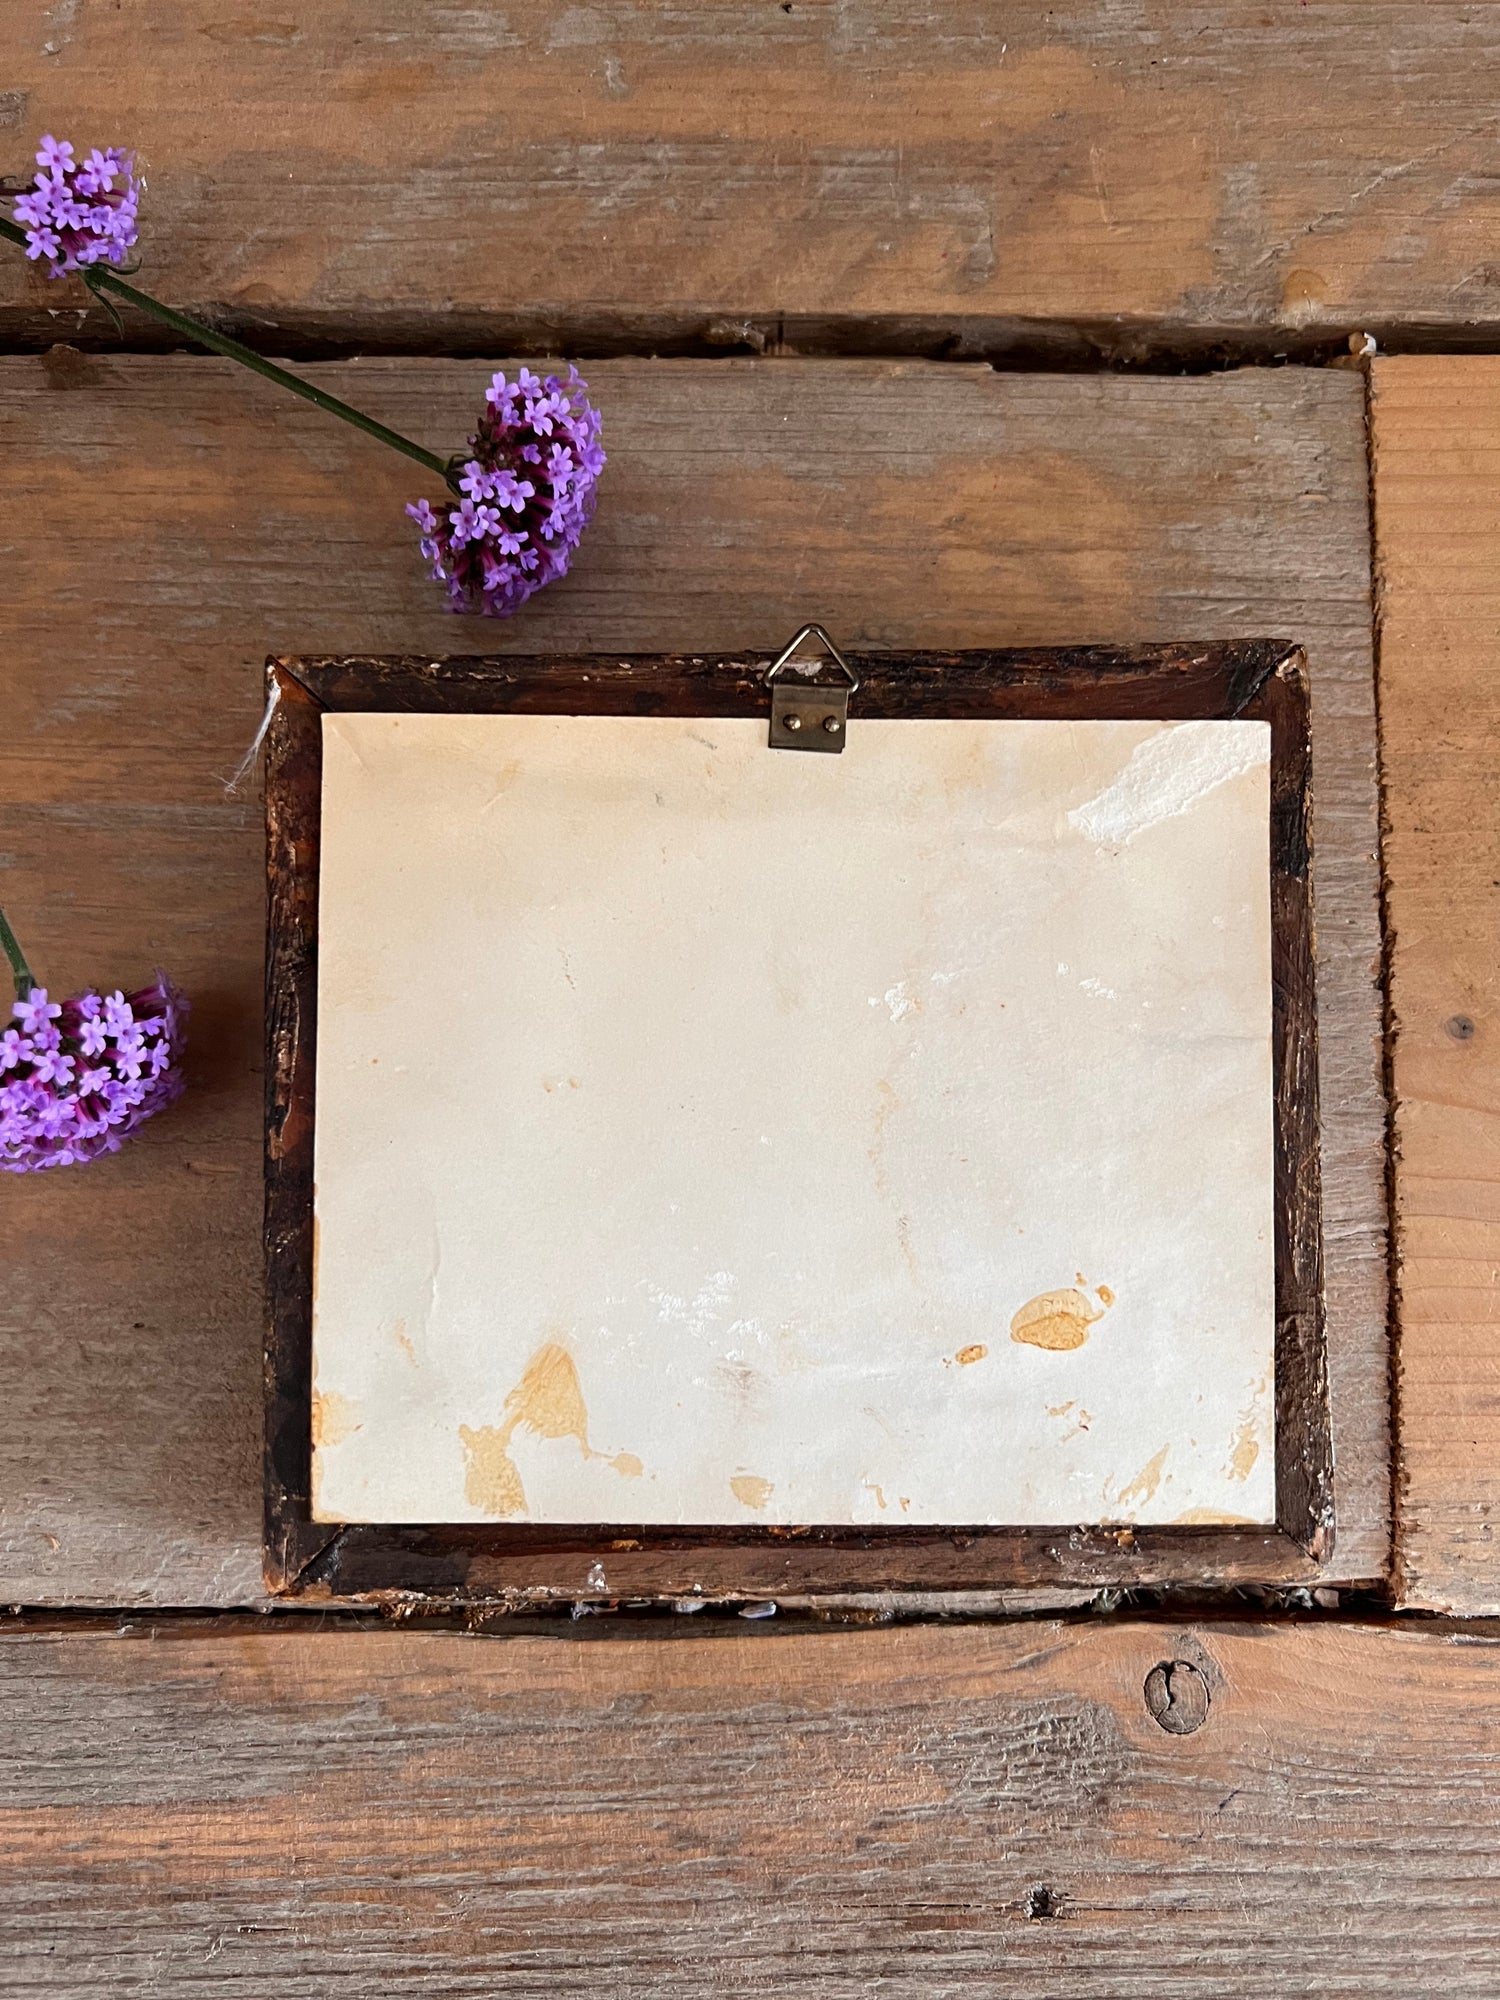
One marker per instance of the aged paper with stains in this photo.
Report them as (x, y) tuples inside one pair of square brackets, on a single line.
[(710, 1134)]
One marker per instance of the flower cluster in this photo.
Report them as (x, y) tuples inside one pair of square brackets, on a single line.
[(528, 493), (77, 1078), (77, 213)]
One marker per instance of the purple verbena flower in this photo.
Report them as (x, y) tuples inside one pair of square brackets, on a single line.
[(53, 1066), (81, 1076), (36, 1011), (56, 155), (475, 481), (43, 242), (97, 174), (491, 560), (92, 1035), (513, 492), (75, 215)]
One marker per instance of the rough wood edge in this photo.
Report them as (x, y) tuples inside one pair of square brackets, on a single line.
[(294, 773), (1304, 1451)]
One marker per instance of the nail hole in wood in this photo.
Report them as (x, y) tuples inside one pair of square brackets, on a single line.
[(1177, 1696), (1042, 1902)]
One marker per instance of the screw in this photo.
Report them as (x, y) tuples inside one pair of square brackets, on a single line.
[(1177, 1697), (1460, 1027), (791, 722), (832, 724)]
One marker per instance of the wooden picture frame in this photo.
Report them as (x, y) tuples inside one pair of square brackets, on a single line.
[(1259, 679)]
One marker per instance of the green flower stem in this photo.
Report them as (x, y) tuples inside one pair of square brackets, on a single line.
[(99, 279), (18, 965)]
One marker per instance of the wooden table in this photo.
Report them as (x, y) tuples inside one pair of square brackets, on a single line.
[(951, 327)]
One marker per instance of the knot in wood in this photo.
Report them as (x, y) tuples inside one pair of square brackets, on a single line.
[(1177, 1696), (1042, 1903)]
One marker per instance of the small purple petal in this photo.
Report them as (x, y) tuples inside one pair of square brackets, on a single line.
[(36, 1012)]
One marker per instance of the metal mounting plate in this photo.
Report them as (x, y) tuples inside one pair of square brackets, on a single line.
[(806, 717)]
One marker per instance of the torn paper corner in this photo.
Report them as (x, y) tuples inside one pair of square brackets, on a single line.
[(1169, 774)]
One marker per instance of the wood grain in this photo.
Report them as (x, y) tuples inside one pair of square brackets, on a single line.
[(910, 1812), (1007, 176), (1437, 487), (171, 521), (1253, 679)]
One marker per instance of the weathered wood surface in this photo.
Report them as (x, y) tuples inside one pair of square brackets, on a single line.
[(909, 1812), (169, 522), (1063, 181), (1437, 488)]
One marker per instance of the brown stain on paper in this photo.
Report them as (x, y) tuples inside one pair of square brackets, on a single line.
[(1142, 1489), (334, 1418), (1213, 1517), (1246, 1451), (1060, 1321), (1081, 1421), (751, 1490), (491, 1480), (548, 1401)]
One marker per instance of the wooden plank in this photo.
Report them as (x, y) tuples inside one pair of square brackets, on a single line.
[(1437, 487), (1061, 182), (910, 1811), (176, 520)]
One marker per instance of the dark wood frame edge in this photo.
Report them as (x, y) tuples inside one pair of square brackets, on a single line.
[(1260, 679)]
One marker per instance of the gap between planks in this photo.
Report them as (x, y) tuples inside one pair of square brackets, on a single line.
[(1032, 347)]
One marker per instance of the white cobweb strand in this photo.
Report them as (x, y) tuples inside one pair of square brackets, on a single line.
[(247, 762)]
